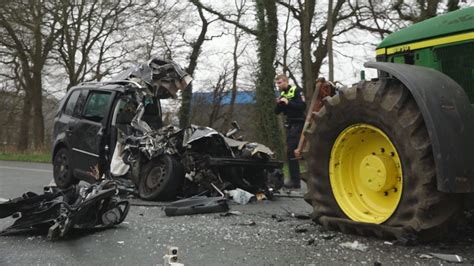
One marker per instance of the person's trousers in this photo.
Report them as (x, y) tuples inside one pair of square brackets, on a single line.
[(293, 133)]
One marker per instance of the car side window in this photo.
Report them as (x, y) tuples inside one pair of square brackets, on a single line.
[(80, 103), (71, 102), (96, 106)]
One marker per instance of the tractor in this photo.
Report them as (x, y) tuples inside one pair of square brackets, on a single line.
[(391, 157)]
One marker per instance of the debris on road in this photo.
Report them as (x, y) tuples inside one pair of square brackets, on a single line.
[(231, 213), (312, 242), (240, 196), (447, 257), (354, 245), (60, 210), (171, 257), (296, 215), (304, 227), (328, 236), (197, 205), (277, 218), (260, 196), (249, 223)]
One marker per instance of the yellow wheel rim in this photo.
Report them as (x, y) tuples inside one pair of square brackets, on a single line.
[(365, 174)]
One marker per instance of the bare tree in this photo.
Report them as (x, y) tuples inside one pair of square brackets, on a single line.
[(240, 6), (288, 65), (219, 91), (419, 10), (329, 42), (88, 28), (317, 37), (266, 33), (383, 17), (185, 109), (29, 29)]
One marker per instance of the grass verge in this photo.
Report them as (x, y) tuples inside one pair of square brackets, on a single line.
[(39, 157)]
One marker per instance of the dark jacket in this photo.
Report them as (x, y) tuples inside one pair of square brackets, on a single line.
[(295, 109)]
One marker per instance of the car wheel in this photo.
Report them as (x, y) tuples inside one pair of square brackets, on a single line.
[(161, 178), (62, 170)]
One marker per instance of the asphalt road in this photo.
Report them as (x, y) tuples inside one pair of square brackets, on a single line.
[(209, 239)]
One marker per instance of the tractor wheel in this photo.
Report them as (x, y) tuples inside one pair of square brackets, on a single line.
[(371, 167), (160, 179), (62, 170)]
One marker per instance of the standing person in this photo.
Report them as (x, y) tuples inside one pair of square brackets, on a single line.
[(292, 104)]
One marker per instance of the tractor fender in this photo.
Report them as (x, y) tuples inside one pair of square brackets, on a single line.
[(449, 119)]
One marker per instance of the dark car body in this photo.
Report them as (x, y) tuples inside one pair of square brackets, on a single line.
[(114, 129), (84, 124)]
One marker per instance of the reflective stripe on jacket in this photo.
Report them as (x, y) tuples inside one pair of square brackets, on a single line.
[(289, 94)]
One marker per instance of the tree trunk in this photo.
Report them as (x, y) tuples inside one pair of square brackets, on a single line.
[(329, 43), (309, 76), (38, 119), (23, 137), (235, 74), (185, 110), (267, 28)]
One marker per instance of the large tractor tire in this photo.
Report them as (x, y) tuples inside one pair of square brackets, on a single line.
[(371, 167)]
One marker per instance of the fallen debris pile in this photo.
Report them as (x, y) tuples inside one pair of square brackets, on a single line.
[(57, 211)]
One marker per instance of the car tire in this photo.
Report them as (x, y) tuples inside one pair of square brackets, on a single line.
[(161, 179), (62, 170)]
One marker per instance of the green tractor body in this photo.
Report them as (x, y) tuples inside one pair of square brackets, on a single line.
[(392, 157), (444, 43)]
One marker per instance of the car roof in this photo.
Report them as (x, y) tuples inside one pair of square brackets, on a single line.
[(107, 86)]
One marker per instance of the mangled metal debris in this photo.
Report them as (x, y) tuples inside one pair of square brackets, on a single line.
[(185, 162), (354, 246), (240, 196), (59, 210), (196, 205), (165, 162), (162, 162), (448, 257)]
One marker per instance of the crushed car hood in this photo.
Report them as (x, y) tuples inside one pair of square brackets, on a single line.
[(163, 77)]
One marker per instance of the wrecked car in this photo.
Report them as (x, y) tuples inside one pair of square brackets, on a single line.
[(57, 211), (114, 129)]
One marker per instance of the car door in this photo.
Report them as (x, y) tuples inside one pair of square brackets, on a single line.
[(87, 134)]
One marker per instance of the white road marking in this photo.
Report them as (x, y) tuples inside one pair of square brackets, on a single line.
[(26, 169)]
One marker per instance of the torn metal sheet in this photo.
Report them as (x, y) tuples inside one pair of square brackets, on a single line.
[(196, 205), (58, 211), (240, 196), (117, 166), (448, 257), (205, 157), (162, 77), (195, 133)]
